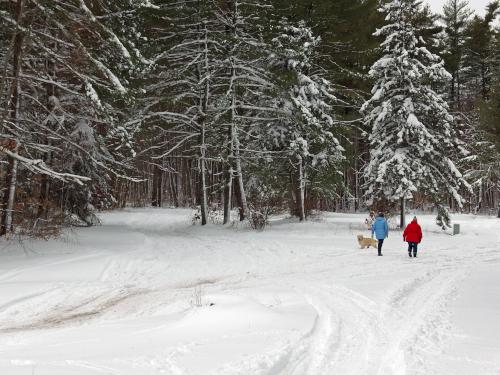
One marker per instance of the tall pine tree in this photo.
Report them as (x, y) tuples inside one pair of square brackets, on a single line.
[(306, 131), (456, 15), (412, 134)]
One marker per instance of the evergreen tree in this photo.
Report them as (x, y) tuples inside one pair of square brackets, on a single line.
[(478, 53), (490, 109), (412, 136), (487, 136), (246, 83), (306, 130), (456, 15), (178, 104)]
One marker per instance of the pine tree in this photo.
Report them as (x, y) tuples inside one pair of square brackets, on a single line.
[(487, 135), (178, 104), (245, 84), (206, 89), (456, 16), (478, 53), (481, 58), (490, 109), (306, 131), (412, 136)]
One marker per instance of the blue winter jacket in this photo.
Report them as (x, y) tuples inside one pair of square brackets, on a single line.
[(380, 228)]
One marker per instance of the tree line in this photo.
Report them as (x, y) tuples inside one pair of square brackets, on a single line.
[(243, 109)]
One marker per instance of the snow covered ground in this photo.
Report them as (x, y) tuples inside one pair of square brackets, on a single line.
[(148, 293)]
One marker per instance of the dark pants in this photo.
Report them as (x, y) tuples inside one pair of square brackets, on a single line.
[(380, 243), (412, 246)]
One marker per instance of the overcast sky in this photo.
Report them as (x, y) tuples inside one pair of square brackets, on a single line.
[(477, 5)]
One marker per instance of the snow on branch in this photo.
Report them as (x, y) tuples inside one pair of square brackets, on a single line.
[(39, 166)]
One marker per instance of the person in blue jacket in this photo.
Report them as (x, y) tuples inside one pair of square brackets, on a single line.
[(381, 231)]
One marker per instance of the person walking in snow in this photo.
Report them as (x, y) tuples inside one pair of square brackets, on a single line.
[(381, 231), (413, 235)]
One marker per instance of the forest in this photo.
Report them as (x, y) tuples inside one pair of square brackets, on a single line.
[(241, 110)]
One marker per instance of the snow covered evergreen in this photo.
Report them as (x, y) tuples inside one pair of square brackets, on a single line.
[(412, 139), (306, 130)]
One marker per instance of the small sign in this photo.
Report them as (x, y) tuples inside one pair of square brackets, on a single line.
[(456, 229)]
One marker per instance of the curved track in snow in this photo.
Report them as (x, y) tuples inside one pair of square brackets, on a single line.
[(147, 293)]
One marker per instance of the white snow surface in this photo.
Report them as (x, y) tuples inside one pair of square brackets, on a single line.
[(148, 293)]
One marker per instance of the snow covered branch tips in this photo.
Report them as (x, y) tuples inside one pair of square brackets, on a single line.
[(412, 139)]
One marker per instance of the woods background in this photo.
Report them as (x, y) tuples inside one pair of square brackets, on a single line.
[(218, 104)]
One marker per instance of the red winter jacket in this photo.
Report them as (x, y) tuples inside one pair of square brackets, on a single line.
[(413, 232)]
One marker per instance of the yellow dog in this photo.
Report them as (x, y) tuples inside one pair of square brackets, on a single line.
[(366, 242)]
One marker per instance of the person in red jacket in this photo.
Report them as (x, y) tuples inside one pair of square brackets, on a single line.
[(413, 235)]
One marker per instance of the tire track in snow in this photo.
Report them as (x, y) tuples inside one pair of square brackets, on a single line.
[(343, 335), (78, 313), (355, 335), (417, 318)]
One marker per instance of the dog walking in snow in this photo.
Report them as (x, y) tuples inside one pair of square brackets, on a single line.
[(366, 242)]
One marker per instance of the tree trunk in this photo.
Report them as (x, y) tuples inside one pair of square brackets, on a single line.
[(402, 222), (203, 150), (173, 189), (43, 200), (203, 177), (178, 183), (293, 193), (9, 198), (356, 174), (124, 195), (159, 187), (300, 195), (240, 187), (203, 185), (156, 199), (479, 198), (11, 180), (228, 187), (159, 191), (239, 195), (190, 182), (234, 146)]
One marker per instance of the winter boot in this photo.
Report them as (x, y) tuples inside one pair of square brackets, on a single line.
[(379, 254), (409, 253), (414, 253)]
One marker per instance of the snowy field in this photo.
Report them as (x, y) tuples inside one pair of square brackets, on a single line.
[(148, 293)]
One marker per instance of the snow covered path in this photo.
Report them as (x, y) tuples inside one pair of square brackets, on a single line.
[(147, 293)]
